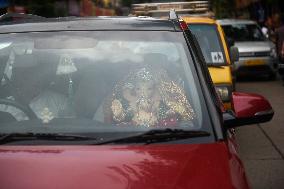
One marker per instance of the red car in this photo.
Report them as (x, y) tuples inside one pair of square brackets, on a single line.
[(115, 103)]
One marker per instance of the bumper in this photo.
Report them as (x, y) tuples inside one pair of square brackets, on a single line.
[(256, 65)]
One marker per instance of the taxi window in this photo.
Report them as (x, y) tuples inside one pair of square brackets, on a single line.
[(210, 43)]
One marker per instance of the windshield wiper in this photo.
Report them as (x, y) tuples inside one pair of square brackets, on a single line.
[(158, 135), (6, 138)]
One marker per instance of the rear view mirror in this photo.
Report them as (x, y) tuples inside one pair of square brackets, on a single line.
[(234, 53), (248, 109)]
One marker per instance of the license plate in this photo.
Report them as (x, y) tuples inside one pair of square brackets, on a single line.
[(254, 62)]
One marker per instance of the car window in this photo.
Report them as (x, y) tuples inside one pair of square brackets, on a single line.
[(244, 32), (110, 79), (209, 42)]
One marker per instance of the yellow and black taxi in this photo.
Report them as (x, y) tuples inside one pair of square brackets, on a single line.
[(216, 53), (210, 37)]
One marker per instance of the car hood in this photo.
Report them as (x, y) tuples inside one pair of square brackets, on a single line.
[(119, 167), (254, 46)]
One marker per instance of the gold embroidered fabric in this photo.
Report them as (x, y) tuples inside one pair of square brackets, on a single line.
[(145, 99)]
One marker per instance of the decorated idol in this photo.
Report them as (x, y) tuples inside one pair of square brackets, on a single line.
[(144, 100)]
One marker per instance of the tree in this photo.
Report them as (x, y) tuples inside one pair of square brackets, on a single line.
[(223, 8)]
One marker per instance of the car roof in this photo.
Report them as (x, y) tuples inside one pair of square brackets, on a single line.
[(235, 21), (11, 16), (90, 23), (203, 20)]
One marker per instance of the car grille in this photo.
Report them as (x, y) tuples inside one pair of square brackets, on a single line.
[(255, 54)]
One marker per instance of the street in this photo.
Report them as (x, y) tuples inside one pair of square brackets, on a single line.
[(262, 146)]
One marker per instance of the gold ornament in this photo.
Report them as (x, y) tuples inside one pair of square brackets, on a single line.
[(148, 99), (117, 110), (46, 115)]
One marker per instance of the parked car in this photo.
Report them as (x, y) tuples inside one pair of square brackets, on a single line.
[(212, 42), (257, 53), (115, 103)]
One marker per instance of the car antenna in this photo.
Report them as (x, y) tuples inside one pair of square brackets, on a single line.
[(173, 15)]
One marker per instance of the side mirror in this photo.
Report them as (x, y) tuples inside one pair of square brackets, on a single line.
[(234, 53), (248, 109)]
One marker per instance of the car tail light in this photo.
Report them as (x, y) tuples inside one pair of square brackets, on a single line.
[(183, 25), (225, 92)]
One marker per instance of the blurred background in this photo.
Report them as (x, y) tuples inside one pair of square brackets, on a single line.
[(259, 10), (265, 12)]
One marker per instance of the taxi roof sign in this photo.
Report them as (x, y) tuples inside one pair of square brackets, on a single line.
[(156, 9)]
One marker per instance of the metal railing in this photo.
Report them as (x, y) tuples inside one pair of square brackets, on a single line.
[(191, 7)]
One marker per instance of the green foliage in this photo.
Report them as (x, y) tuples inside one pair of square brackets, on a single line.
[(45, 8), (42, 8), (223, 8), (126, 3)]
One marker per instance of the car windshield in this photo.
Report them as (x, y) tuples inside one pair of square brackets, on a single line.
[(209, 42), (88, 82), (244, 32)]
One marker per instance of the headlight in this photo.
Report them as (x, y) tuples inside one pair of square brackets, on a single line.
[(225, 92), (273, 53)]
